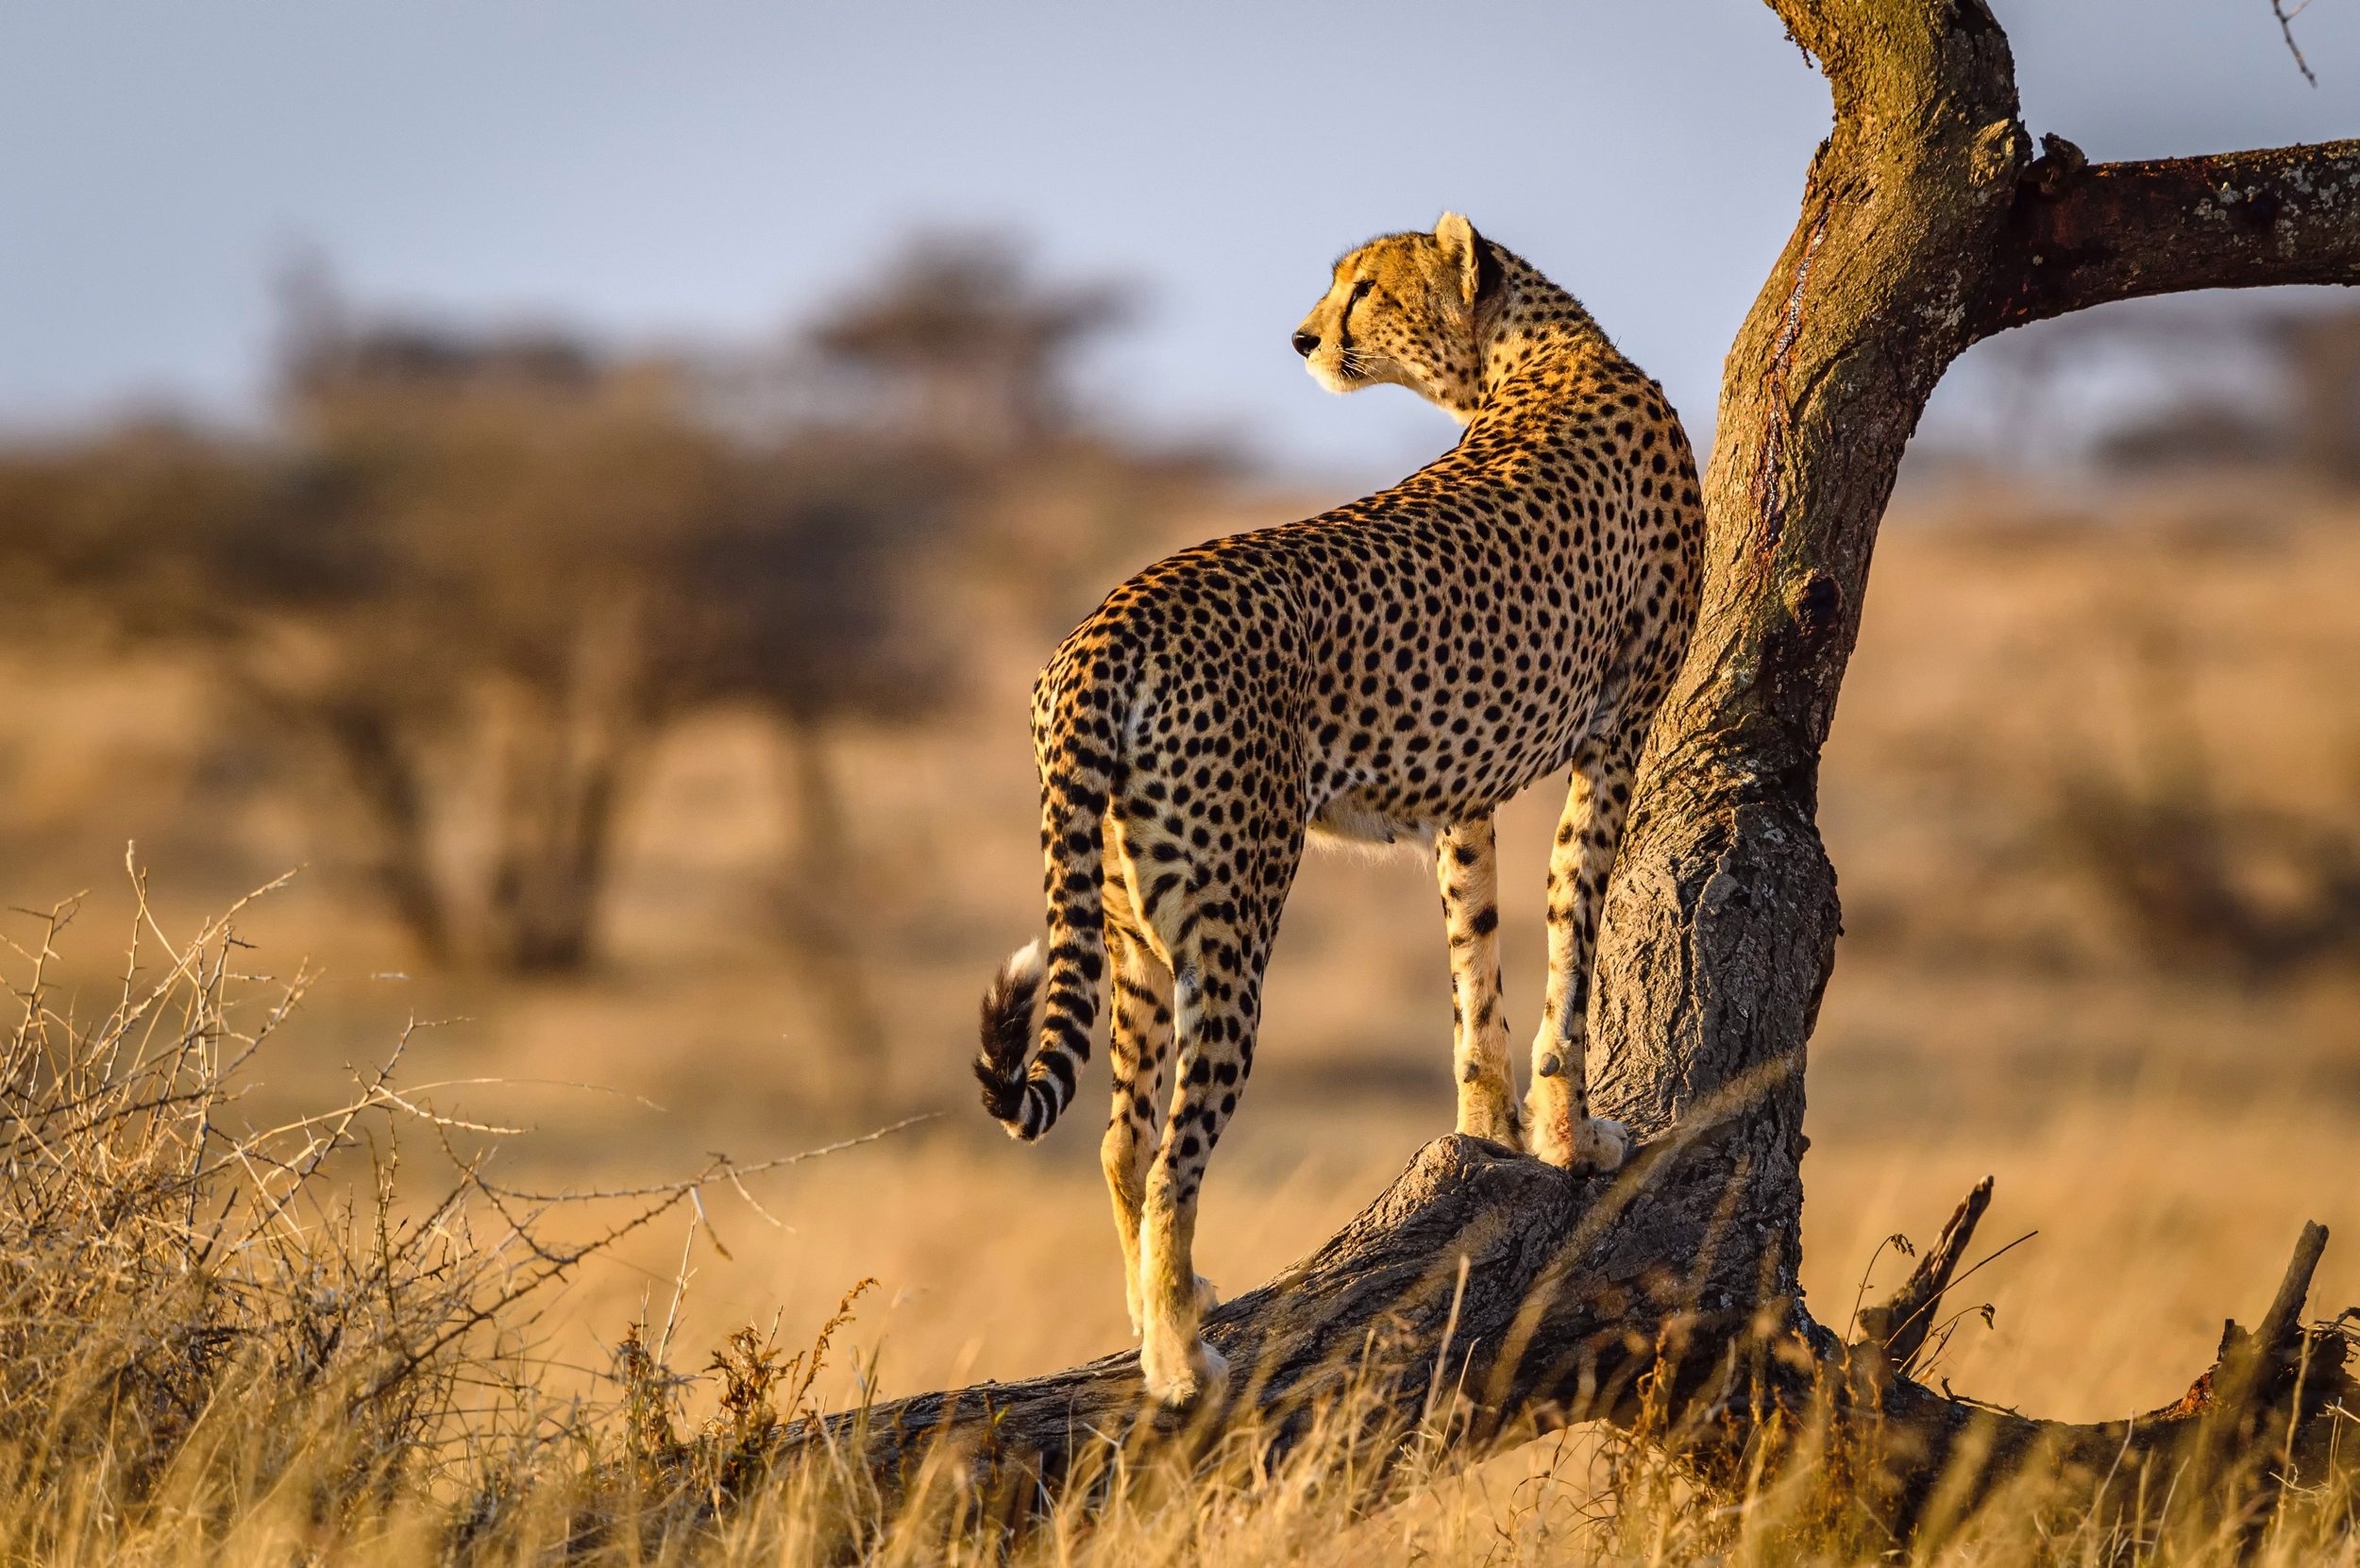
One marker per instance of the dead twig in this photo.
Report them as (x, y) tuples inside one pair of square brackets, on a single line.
[(2286, 31)]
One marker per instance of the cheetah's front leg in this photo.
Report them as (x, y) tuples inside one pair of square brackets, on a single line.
[(1466, 867), (1564, 1131)]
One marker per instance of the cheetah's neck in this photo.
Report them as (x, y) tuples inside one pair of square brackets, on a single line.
[(1538, 329)]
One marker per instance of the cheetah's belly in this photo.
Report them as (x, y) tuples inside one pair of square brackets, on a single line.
[(1351, 818)]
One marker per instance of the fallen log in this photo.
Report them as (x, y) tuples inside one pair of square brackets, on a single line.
[(1485, 1296)]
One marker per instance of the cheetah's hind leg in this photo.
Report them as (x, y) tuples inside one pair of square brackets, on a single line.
[(1141, 1054), (1217, 989)]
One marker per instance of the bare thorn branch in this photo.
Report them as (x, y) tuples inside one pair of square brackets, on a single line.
[(2286, 30)]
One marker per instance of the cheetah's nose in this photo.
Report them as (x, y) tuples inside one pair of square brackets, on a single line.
[(1307, 341)]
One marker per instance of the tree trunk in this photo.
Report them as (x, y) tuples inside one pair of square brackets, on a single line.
[(572, 735), (1667, 1298), (386, 775), (817, 905)]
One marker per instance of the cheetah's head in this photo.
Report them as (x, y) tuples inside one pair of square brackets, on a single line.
[(1407, 309)]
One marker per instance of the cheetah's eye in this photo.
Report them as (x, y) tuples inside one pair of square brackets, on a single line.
[(1359, 292)]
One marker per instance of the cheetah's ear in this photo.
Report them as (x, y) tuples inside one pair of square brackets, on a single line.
[(1478, 262)]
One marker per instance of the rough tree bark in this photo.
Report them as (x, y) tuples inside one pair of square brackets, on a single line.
[(1927, 223)]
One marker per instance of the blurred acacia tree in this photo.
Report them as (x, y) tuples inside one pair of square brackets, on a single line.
[(957, 344), (484, 572)]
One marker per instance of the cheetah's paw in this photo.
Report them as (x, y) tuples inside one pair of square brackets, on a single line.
[(1179, 1380), (1599, 1146)]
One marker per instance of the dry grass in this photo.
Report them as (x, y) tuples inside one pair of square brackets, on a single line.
[(220, 1347), (2166, 1130), (232, 1339), (216, 1345)]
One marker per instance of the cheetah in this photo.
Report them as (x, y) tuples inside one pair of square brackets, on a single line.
[(1388, 672)]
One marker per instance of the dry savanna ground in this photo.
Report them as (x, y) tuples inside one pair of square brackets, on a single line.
[(2165, 1121)]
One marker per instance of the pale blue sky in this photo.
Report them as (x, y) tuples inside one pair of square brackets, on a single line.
[(716, 167)]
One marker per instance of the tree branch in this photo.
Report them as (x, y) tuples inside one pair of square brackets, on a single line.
[(2286, 31), (2082, 236), (1900, 1326)]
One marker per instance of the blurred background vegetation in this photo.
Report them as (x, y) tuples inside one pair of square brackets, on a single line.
[(438, 620)]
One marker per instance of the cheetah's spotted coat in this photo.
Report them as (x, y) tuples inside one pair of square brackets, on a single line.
[(1394, 669)]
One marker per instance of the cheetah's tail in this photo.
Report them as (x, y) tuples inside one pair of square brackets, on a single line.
[(1011, 1019), (1049, 1000), (1048, 997)]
